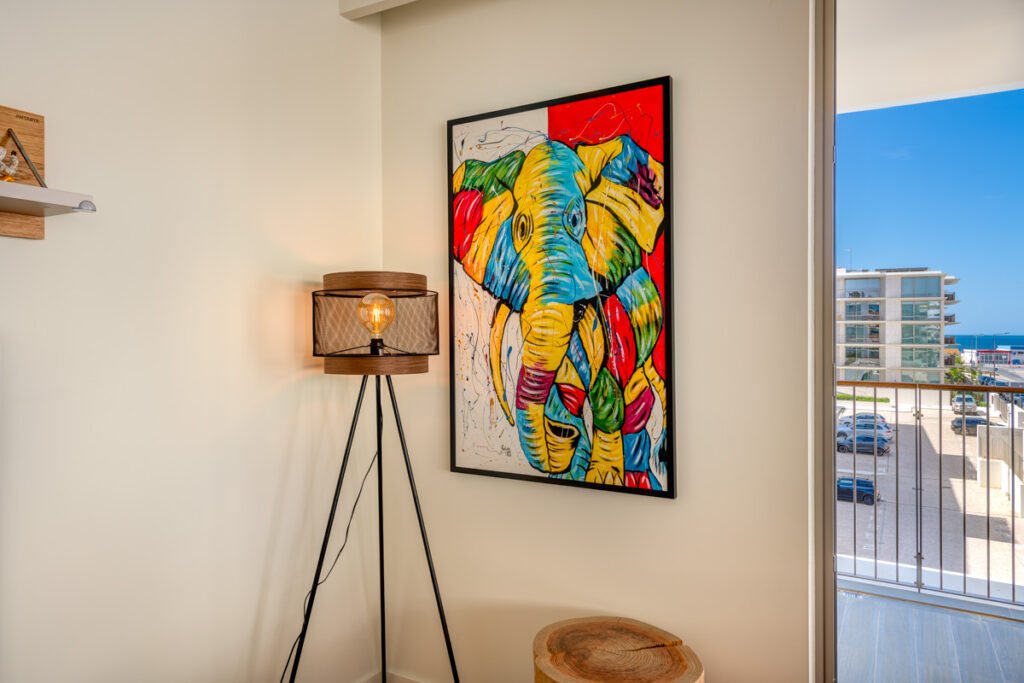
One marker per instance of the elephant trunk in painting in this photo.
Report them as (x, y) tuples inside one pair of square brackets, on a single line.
[(547, 328)]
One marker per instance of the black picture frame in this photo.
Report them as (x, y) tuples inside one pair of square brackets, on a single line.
[(670, 491)]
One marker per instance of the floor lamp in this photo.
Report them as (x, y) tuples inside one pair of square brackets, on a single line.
[(375, 324)]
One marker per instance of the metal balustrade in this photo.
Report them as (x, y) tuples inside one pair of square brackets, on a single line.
[(942, 514)]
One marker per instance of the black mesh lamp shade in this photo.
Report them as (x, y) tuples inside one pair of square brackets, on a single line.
[(375, 323)]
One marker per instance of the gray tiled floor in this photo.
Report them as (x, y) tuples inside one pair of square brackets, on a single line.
[(895, 641)]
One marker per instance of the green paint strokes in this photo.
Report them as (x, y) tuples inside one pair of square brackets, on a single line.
[(607, 403), (493, 178)]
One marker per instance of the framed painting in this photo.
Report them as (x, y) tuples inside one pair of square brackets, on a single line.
[(561, 291)]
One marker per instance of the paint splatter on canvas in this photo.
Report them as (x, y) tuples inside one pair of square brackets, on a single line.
[(560, 291)]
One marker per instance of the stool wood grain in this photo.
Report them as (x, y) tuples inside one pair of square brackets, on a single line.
[(610, 649)]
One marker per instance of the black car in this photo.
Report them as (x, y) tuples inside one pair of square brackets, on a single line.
[(864, 443), (972, 424), (865, 490)]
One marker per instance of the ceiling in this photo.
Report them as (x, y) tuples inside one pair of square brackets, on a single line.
[(891, 52)]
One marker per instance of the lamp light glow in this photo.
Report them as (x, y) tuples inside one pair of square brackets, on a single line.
[(376, 312)]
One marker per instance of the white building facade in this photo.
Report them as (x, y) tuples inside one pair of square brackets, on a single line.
[(891, 324)]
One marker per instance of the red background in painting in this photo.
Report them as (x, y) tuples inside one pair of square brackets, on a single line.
[(638, 114)]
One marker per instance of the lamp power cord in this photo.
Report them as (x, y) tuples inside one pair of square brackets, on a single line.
[(320, 582)]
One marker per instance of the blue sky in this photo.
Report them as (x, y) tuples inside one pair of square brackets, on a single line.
[(939, 184)]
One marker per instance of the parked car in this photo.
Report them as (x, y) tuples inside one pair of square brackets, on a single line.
[(865, 490), (972, 424), (964, 404), (845, 426), (864, 443), (847, 431), (871, 416)]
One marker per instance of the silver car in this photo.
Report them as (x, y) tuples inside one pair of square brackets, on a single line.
[(964, 404)]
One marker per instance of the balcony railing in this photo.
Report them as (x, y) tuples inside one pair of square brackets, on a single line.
[(863, 339), (950, 319), (949, 341), (927, 497), (950, 297), (853, 362)]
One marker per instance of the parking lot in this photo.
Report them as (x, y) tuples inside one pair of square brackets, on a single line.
[(959, 522)]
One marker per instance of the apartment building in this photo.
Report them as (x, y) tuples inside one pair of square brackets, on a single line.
[(891, 324)]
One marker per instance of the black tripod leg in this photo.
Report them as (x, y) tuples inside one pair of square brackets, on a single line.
[(423, 533), (327, 533), (380, 537)]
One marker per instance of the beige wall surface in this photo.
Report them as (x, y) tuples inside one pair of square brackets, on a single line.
[(725, 565), (168, 449)]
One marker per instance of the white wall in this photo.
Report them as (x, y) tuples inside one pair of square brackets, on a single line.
[(725, 565), (167, 446)]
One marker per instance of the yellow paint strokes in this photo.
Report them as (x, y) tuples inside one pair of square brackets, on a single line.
[(647, 314), (620, 205), (629, 210), (495, 213), (567, 374), (636, 385), (645, 318), (561, 440), (534, 178), (607, 463), (658, 384), (532, 184), (497, 335), (458, 177), (597, 240), (595, 158), (546, 329), (532, 431)]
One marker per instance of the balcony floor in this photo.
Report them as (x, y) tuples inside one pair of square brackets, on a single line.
[(886, 640)]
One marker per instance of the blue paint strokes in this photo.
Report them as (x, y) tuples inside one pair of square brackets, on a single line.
[(623, 166), (506, 276), (637, 451)]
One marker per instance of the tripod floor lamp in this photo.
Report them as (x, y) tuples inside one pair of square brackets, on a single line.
[(375, 324)]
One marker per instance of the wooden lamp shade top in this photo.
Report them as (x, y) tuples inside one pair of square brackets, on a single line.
[(610, 649), (375, 280), (382, 281)]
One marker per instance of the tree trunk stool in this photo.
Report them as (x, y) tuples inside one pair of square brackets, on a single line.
[(609, 649)]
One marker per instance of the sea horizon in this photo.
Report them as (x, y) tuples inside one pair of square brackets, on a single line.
[(987, 341)]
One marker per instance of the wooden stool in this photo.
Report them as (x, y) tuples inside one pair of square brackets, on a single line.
[(607, 649)]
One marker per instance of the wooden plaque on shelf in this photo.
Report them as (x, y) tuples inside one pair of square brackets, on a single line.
[(30, 130)]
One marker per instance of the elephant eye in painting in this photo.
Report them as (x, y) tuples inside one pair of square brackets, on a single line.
[(522, 230), (574, 219)]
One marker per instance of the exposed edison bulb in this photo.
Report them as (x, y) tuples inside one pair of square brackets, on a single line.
[(376, 312)]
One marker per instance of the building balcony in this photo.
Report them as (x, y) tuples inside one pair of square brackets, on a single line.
[(859, 363), (949, 341), (949, 319), (950, 298)]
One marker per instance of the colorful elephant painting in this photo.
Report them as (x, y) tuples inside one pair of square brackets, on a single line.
[(559, 276)]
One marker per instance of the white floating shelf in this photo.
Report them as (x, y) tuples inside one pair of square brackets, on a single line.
[(29, 200)]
